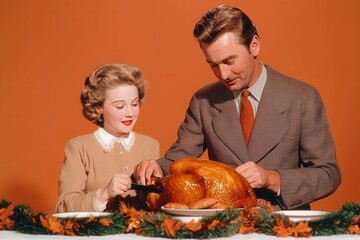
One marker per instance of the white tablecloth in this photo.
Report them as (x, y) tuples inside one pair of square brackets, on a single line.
[(11, 235)]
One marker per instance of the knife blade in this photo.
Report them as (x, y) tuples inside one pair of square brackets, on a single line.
[(147, 188)]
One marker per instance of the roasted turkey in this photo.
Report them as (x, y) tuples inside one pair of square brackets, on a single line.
[(192, 180)]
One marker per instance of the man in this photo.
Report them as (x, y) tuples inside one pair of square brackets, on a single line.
[(281, 143)]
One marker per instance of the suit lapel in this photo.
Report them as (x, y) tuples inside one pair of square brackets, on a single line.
[(270, 122), (227, 127)]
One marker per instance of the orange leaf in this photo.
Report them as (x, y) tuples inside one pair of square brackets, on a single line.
[(302, 229), (6, 212), (44, 222), (91, 218), (354, 229), (51, 224), (133, 224), (55, 226), (8, 224), (194, 226), (106, 222), (170, 226), (68, 224), (281, 230), (247, 225), (133, 211), (178, 226), (69, 232), (5, 221), (212, 226), (123, 208), (245, 230), (69, 227)]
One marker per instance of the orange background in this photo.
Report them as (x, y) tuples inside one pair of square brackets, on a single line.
[(48, 47)]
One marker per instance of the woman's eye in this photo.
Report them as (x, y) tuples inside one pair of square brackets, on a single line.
[(119, 107), (135, 104)]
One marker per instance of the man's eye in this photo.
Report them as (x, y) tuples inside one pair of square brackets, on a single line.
[(230, 62)]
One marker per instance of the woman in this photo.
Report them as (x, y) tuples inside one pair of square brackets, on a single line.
[(96, 171)]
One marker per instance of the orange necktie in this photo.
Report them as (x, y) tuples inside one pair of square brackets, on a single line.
[(246, 115)]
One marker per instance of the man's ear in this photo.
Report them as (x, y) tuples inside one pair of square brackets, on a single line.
[(255, 46)]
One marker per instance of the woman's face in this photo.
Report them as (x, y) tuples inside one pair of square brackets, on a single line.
[(120, 109)]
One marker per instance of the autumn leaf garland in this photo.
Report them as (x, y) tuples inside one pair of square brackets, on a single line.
[(26, 221), (158, 224), (223, 224)]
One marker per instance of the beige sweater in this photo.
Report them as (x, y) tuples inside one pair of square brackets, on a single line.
[(87, 167)]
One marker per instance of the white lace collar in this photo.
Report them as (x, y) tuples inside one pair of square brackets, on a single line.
[(107, 141)]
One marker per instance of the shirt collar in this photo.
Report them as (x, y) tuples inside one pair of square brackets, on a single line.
[(108, 140), (258, 87)]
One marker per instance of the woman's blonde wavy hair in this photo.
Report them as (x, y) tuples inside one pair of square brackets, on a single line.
[(106, 77)]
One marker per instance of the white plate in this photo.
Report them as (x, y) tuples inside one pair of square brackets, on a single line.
[(80, 214), (193, 212), (302, 215), (187, 219)]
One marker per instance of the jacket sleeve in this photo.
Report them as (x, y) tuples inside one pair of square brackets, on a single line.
[(190, 141), (319, 174)]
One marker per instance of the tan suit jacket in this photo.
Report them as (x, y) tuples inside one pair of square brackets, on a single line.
[(291, 134)]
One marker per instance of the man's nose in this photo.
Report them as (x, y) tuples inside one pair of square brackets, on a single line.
[(224, 71)]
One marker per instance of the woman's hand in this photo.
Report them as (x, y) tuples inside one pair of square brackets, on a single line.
[(118, 185)]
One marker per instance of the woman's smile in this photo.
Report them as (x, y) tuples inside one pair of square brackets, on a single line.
[(127, 122)]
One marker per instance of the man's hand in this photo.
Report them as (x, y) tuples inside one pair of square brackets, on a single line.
[(260, 177), (145, 170)]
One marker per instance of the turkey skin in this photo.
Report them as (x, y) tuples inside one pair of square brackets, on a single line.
[(192, 180)]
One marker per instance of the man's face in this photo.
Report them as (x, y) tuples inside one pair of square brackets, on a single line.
[(232, 63)]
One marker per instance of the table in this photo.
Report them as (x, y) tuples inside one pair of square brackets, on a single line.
[(12, 235)]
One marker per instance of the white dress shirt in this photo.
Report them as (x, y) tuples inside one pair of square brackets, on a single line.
[(255, 92)]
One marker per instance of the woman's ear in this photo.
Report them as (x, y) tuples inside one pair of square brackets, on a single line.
[(98, 109), (255, 46)]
